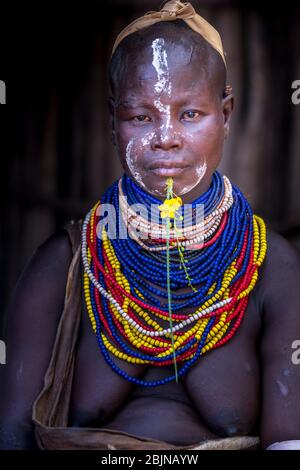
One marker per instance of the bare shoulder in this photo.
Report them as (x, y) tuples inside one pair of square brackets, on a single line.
[(54, 253), (280, 272), (42, 282), (31, 323)]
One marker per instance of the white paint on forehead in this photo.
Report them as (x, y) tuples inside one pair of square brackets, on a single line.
[(161, 107), (160, 63), (163, 84), (131, 163)]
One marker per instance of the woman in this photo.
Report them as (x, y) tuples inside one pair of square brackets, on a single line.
[(94, 315)]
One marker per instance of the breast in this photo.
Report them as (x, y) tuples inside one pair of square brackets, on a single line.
[(224, 385), (165, 420), (222, 389)]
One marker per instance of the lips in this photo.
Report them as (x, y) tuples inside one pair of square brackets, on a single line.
[(167, 171), (167, 164), (167, 168)]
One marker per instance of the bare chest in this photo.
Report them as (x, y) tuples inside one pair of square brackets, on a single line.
[(221, 390)]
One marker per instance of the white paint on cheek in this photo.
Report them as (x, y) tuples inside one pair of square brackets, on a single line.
[(191, 136), (200, 172), (131, 163), (147, 139)]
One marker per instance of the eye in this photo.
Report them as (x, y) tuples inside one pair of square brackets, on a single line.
[(141, 118), (190, 115)]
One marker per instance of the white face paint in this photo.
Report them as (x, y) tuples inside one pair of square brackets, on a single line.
[(146, 140), (200, 172), (160, 63), (131, 158), (163, 84), (131, 163)]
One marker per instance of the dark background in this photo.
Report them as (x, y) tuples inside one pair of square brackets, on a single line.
[(56, 154)]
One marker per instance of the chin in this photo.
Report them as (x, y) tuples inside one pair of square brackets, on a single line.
[(154, 183)]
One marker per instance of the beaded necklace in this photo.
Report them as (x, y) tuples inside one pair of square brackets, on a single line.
[(125, 279)]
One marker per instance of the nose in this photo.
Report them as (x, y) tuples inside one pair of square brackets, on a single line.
[(166, 139)]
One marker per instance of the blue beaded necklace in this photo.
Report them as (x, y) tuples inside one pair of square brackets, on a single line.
[(206, 267)]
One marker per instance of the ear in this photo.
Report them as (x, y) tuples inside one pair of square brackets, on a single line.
[(227, 108), (111, 106)]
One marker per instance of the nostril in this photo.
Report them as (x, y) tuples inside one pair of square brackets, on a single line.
[(166, 142)]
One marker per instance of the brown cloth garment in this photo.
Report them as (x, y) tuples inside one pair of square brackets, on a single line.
[(171, 11), (51, 408)]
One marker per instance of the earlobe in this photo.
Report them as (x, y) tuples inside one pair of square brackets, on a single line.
[(226, 130), (227, 108), (227, 105)]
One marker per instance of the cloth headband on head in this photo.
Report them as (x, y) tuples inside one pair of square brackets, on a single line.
[(176, 10)]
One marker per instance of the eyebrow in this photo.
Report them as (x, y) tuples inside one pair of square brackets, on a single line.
[(135, 103), (126, 103)]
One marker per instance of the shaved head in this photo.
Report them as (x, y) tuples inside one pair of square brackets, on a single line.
[(177, 34)]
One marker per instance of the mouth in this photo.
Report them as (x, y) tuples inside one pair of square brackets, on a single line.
[(167, 171), (167, 168)]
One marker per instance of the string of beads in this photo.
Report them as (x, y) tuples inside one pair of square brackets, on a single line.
[(125, 280)]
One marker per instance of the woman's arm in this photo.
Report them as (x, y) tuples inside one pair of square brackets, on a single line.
[(280, 418)]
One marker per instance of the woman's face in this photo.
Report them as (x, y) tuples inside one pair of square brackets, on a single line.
[(169, 120)]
